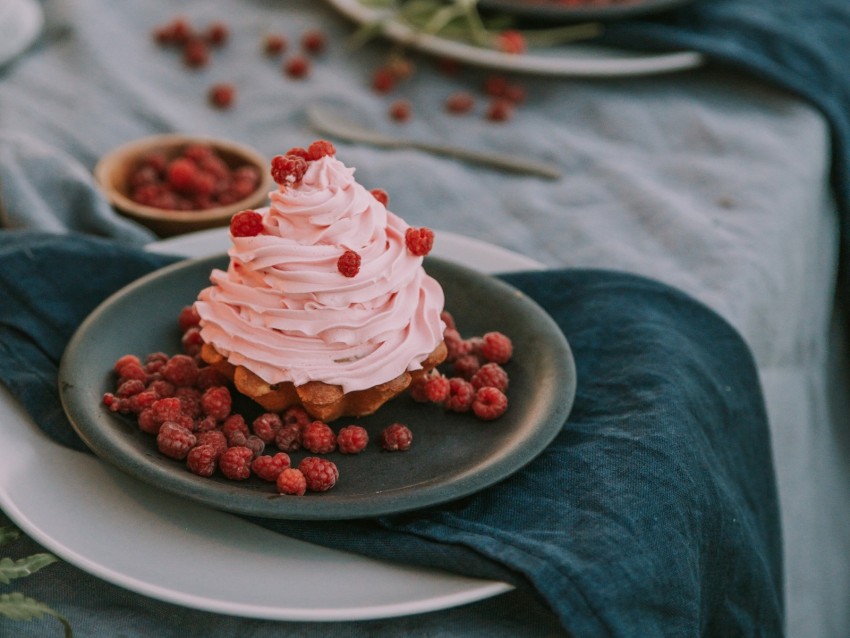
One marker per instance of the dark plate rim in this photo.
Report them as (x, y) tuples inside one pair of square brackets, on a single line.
[(553, 10)]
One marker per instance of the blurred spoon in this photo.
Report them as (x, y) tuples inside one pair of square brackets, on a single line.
[(328, 121)]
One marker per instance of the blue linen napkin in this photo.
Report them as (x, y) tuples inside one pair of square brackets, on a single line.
[(654, 511)]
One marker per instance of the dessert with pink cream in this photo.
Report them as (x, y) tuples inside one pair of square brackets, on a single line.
[(325, 302)]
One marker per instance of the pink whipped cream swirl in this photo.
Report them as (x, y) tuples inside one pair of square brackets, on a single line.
[(285, 312)]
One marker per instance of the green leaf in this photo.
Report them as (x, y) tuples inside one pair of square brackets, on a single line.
[(12, 569), (8, 535), (16, 606)]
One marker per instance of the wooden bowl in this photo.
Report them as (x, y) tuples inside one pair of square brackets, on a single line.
[(113, 170)]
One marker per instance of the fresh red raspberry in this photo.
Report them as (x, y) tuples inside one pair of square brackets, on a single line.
[(255, 444), (174, 440), (417, 388), (288, 169), (209, 377), (511, 41), (266, 426), (217, 33), (154, 361), (141, 401), (214, 438), (147, 422), (514, 93), (319, 149), (181, 173), (497, 347), (124, 360), (274, 44), (187, 318), (269, 467), (449, 320), (401, 67), (217, 402), (456, 347), (235, 423), (181, 370), (201, 460), (437, 389), (461, 395), (318, 438), (130, 387), (291, 482), (352, 439), (205, 424), (196, 53), (162, 388), (222, 95), (490, 403), (288, 437), (396, 438), (349, 263), (168, 409), (178, 31), (246, 223), (460, 103), (297, 67), (191, 341), (466, 366), (381, 195), (419, 241), (473, 345), (320, 474), (500, 110), (313, 41), (383, 80), (296, 414), (132, 371), (401, 110), (235, 463), (190, 401), (490, 375), (495, 85)]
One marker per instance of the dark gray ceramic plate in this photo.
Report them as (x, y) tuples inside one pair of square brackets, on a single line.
[(452, 455), (543, 10)]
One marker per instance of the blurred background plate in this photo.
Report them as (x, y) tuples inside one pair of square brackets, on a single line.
[(20, 24)]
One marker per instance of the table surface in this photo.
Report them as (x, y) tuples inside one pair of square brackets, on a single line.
[(706, 180)]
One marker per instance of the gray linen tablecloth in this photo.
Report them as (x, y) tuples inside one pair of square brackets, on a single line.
[(706, 180)]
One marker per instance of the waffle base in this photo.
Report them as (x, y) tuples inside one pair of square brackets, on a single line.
[(321, 400)]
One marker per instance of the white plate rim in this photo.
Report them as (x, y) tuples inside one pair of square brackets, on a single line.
[(573, 60), (439, 590)]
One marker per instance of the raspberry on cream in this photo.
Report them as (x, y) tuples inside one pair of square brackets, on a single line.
[(284, 310)]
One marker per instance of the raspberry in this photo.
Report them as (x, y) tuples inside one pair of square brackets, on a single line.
[(490, 375), (455, 345), (174, 440), (383, 80), (266, 426), (190, 401), (246, 223), (511, 41), (196, 53), (381, 195), (187, 318), (313, 41), (292, 482), (217, 33), (191, 341), (401, 110), (235, 463), (269, 467), (352, 439), (205, 424), (209, 377), (419, 240), (132, 371), (147, 422), (297, 415), (417, 389), (320, 474), (495, 85), (396, 438), (141, 401), (349, 263), (168, 409), (288, 437), (497, 347), (460, 102), (181, 173), (490, 403), (514, 93), (125, 360), (177, 31), (217, 402), (461, 395), (297, 67), (274, 44), (162, 388), (288, 169), (437, 389), (130, 387), (449, 320), (500, 110), (318, 438), (466, 366), (201, 460), (319, 149), (155, 360), (181, 370), (233, 424), (255, 444), (222, 95), (213, 438)]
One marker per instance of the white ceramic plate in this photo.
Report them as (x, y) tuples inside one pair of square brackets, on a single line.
[(20, 23), (56, 503), (578, 60)]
